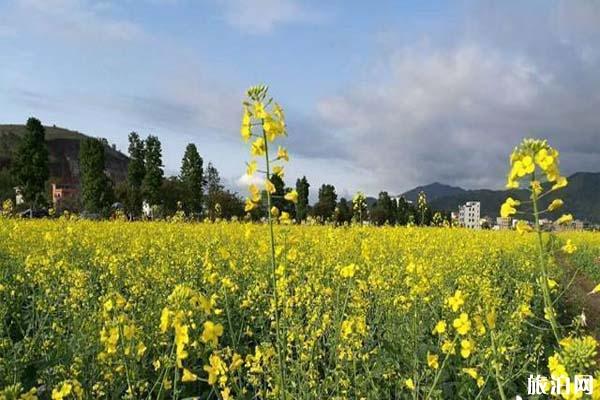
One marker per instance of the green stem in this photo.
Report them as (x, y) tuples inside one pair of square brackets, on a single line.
[(274, 275), (548, 305), (496, 367), (415, 344), (439, 372)]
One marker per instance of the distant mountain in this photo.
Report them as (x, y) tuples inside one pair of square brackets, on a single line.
[(63, 148), (433, 191), (581, 198)]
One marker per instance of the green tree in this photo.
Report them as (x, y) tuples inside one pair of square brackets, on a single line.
[(227, 205), (173, 191), (383, 210), (343, 212), (153, 177), (326, 205), (30, 165), (221, 203), (96, 193), (277, 199), (192, 178), (136, 170), (302, 187), (402, 211), (6, 185)]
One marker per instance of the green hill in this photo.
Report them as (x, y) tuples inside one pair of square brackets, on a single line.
[(63, 148)]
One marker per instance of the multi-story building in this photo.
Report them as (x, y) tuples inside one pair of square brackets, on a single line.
[(469, 215)]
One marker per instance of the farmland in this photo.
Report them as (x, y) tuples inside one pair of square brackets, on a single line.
[(174, 310)]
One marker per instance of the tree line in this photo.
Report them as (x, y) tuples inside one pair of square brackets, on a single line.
[(197, 192)]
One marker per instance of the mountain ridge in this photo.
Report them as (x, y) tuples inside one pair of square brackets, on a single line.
[(581, 197)]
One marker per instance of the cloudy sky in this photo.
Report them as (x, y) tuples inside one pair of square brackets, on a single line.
[(380, 95)]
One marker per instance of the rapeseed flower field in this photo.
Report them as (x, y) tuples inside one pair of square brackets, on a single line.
[(172, 310)]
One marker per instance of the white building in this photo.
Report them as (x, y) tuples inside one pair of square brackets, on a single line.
[(503, 223), (469, 215)]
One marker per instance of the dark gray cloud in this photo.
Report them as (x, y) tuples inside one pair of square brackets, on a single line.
[(453, 113)]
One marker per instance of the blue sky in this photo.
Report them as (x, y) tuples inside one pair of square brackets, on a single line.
[(379, 95)]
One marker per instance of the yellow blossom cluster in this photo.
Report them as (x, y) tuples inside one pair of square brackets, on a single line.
[(264, 120)]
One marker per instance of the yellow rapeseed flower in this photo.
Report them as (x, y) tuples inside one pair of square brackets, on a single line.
[(258, 147), (278, 170), (523, 227), (555, 205), (269, 187), (433, 361), (456, 301), (251, 168), (246, 129), (348, 271), (250, 205), (448, 347), (466, 347), (508, 208), (569, 247), (544, 159), (565, 219), (292, 196), (440, 327), (285, 218), (561, 182), (472, 372), (282, 154), (212, 332), (259, 110), (188, 376), (462, 324)]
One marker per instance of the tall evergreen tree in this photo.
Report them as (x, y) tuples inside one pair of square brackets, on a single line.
[(153, 178), (30, 165), (95, 185), (136, 171), (326, 204), (277, 197), (302, 187), (192, 177)]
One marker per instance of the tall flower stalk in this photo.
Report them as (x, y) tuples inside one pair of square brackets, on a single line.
[(261, 112), (537, 163), (422, 205)]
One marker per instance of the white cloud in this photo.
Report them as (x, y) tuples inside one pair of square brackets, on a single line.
[(262, 16), (246, 180)]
